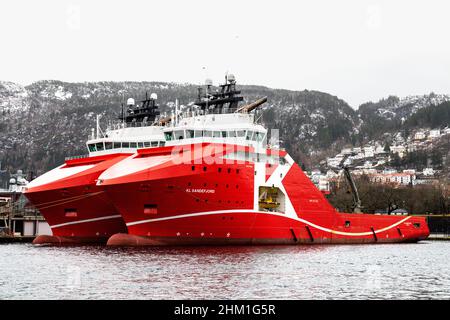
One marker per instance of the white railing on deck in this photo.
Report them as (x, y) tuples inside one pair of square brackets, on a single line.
[(77, 157)]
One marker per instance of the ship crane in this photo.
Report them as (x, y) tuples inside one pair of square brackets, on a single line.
[(249, 107), (357, 207)]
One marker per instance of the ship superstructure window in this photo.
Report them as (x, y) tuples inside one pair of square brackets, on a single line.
[(100, 146), (198, 133), (154, 143), (259, 136), (162, 143), (147, 144), (168, 136), (240, 133), (207, 133), (255, 157), (91, 147), (117, 145), (189, 134), (108, 145), (125, 144), (232, 134), (216, 134), (249, 135), (140, 144), (179, 134), (133, 145)]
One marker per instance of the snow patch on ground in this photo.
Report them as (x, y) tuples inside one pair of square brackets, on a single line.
[(13, 97), (61, 94)]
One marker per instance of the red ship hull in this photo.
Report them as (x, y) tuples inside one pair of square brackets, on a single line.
[(76, 210), (192, 203), (257, 228)]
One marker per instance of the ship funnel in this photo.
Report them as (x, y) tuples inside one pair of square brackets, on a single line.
[(130, 102), (153, 96)]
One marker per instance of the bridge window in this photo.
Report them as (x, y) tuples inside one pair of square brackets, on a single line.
[(168, 136), (207, 133), (108, 145), (189, 134), (216, 134), (224, 134), (179, 134), (91, 147), (249, 135), (140, 145), (133, 145), (100, 146), (240, 133), (116, 145), (232, 134), (259, 136), (147, 144), (162, 143), (125, 144), (198, 133)]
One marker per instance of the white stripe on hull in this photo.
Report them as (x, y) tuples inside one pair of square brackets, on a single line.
[(279, 214), (85, 221)]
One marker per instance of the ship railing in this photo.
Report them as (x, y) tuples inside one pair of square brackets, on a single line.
[(121, 125)]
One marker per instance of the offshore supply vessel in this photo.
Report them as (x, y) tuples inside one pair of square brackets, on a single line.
[(219, 181), (76, 209)]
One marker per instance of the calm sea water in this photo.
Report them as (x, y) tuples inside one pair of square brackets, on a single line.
[(402, 271)]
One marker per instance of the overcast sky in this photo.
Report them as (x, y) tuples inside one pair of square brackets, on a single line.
[(358, 50)]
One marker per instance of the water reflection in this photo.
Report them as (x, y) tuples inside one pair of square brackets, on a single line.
[(404, 271)]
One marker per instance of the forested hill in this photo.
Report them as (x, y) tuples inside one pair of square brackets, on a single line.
[(44, 122)]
